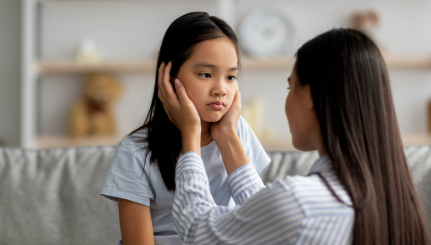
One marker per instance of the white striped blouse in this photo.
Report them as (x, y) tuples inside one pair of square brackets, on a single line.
[(296, 210)]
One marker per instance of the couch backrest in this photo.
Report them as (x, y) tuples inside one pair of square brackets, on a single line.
[(299, 163), (52, 196)]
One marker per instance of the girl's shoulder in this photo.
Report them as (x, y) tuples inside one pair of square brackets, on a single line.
[(136, 140), (134, 147), (242, 127)]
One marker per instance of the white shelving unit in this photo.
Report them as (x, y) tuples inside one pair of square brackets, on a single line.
[(33, 68)]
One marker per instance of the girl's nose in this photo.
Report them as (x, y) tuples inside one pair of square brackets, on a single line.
[(219, 89)]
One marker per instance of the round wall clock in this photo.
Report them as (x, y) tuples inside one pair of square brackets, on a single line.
[(265, 33)]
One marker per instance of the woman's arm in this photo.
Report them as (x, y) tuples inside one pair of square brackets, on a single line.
[(225, 135), (135, 222), (271, 216)]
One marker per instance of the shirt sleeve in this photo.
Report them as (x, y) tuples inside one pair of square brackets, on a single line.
[(263, 219), (128, 176), (253, 148)]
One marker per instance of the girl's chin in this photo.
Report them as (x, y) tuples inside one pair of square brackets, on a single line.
[(211, 118)]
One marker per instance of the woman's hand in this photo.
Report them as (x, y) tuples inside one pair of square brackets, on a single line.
[(180, 109), (228, 123), (225, 135)]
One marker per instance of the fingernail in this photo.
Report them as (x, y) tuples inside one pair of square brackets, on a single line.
[(177, 83)]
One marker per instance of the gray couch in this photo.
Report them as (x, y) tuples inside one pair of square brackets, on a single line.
[(52, 196)]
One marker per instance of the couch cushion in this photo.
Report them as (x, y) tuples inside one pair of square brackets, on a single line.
[(52, 197)]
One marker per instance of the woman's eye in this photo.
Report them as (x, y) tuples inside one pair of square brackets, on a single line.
[(288, 88), (231, 78), (205, 75)]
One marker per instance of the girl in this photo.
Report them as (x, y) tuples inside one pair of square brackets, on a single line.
[(359, 191), (203, 51)]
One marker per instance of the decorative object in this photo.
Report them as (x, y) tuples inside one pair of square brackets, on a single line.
[(88, 53), (93, 113), (429, 117), (367, 22), (265, 33), (252, 111)]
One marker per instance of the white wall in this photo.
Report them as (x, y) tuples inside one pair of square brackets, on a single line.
[(10, 40), (138, 27), (404, 29)]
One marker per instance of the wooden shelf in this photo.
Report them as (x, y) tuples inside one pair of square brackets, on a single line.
[(286, 144), (62, 67), (408, 62), (248, 64), (275, 64)]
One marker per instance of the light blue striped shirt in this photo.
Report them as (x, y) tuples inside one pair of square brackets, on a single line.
[(296, 210)]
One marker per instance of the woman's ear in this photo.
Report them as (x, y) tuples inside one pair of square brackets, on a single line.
[(309, 98)]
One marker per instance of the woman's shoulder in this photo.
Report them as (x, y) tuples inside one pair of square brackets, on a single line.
[(314, 197)]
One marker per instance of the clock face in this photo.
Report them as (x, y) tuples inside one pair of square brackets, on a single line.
[(265, 33)]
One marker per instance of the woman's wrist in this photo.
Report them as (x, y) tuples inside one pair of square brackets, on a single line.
[(232, 150), (225, 135), (191, 141)]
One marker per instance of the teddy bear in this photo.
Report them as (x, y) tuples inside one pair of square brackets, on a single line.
[(366, 22), (93, 113)]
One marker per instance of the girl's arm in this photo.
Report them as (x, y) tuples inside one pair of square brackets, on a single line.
[(135, 222)]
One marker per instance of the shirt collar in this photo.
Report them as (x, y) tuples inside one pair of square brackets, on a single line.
[(321, 165)]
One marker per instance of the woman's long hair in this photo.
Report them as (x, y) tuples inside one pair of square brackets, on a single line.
[(352, 97), (163, 139)]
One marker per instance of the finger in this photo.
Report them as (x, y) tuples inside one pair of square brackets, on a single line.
[(160, 74), (181, 92), (159, 81), (159, 94), (166, 84), (169, 116), (237, 99)]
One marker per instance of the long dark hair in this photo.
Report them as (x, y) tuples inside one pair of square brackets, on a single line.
[(352, 97), (163, 139)]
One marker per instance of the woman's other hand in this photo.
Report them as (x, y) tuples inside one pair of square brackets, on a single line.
[(228, 123), (180, 109), (225, 135)]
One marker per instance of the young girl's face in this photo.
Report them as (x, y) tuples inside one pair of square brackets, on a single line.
[(209, 76)]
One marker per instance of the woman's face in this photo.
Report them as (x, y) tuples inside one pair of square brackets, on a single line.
[(301, 116), (209, 76)]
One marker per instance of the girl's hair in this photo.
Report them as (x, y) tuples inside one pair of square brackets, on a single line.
[(162, 137), (352, 97)]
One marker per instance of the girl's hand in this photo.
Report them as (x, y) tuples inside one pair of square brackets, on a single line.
[(228, 123), (180, 109)]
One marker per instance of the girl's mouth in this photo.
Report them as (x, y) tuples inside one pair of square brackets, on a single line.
[(216, 105)]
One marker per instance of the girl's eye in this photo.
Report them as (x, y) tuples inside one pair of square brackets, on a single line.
[(288, 88), (205, 75), (231, 78)]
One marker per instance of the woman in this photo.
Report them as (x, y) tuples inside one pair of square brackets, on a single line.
[(359, 191)]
